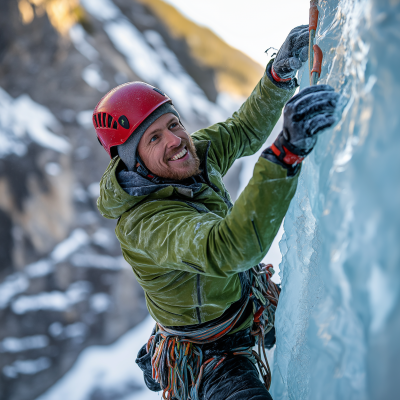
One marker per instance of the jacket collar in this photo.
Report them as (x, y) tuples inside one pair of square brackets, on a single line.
[(136, 185)]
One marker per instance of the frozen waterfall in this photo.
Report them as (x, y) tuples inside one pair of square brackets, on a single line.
[(338, 319)]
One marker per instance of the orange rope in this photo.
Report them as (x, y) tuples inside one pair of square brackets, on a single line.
[(177, 360)]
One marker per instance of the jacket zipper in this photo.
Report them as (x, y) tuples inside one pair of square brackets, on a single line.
[(198, 299)]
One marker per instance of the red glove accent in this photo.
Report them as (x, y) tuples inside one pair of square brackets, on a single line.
[(276, 77), (289, 158)]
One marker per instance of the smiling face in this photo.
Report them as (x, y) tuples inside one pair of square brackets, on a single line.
[(167, 150)]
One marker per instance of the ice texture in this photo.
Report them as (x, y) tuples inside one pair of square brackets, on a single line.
[(338, 320)]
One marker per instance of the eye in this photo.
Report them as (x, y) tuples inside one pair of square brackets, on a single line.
[(173, 125), (153, 139)]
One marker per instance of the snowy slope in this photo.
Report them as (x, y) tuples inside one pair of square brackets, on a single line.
[(110, 371), (338, 318), (64, 285)]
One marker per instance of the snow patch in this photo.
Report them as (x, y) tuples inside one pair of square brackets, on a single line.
[(39, 268), (17, 283), (104, 238), (78, 37), (22, 119), (55, 301), (98, 261), (52, 168), (92, 76), (77, 331), (26, 367), (17, 345), (63, 250), (13, 285), (107, 369), (101, 9), (84, 119), (100, 302), (94, 190)]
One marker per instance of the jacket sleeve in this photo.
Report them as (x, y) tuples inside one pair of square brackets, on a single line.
[(247, 130), (175, 236)]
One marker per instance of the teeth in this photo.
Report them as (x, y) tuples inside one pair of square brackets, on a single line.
[(179, 155)]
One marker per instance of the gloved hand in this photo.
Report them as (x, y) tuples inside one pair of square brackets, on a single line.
[(292, 55), (304, 116)]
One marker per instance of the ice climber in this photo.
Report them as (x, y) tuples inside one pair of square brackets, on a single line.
[(195, 254)]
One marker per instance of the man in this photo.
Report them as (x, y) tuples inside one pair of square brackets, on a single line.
[(191, 250)]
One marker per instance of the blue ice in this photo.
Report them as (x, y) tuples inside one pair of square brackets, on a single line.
[(338, 319)]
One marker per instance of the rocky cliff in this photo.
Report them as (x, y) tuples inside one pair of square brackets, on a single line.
[(63, 282)]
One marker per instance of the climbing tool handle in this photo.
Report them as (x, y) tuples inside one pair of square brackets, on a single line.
[(314, 13), (317, 65), (318, 57), (314, 52)]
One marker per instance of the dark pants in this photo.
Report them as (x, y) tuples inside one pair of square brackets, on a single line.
[(237, 378)]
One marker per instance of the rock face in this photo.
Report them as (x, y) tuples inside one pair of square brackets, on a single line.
[(63, 282)]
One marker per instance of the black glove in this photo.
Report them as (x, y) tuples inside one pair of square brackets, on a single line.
[(304, 116), (292, 54)]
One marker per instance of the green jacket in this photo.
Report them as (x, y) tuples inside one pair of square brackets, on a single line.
[(187, 244)]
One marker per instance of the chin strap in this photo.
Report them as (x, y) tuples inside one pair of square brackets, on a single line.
[(142, 170)]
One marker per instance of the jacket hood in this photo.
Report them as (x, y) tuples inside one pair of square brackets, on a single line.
[(120, 189)]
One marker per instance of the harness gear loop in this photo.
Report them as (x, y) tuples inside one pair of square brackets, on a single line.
[(177, 357)]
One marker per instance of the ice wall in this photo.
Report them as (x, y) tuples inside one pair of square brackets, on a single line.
[(338, 319)]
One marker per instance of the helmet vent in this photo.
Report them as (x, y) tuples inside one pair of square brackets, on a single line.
[(99, 119), (104, 120)]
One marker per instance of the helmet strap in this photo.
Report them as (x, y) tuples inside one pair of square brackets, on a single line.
[(142, 170)]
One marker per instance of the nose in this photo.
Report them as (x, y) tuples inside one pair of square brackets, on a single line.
[(172, 140)]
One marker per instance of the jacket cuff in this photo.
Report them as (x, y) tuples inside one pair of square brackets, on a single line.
[(290, 85), (270, 156)]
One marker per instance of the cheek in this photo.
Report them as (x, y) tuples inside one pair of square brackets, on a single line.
[(155, 158)]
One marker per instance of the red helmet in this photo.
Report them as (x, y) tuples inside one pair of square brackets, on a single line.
[(123, 109)]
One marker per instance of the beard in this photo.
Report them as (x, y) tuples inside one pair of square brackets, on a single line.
[(192, 165)]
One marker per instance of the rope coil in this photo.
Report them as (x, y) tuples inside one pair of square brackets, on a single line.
[(177, 360)]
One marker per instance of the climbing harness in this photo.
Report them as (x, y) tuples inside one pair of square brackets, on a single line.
[(177, 359), (315, 55)]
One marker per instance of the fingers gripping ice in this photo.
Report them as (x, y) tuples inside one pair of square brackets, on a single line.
[(293, 53), (307, 114), (304, 117)]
